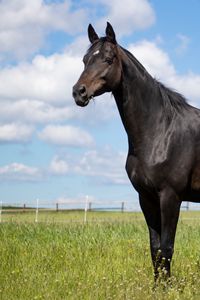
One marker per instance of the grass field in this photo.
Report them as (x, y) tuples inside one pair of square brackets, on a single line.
[(60, 257)]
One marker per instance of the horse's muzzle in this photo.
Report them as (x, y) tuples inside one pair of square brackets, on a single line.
[(80, 95)]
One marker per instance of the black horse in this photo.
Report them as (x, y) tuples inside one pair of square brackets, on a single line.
[(163, 132)]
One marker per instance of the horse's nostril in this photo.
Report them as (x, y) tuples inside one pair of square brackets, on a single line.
[(82, 90)]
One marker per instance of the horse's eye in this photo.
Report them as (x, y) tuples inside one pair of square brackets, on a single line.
[(109, 60)]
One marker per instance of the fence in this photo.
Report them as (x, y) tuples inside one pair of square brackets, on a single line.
[(85, 205)]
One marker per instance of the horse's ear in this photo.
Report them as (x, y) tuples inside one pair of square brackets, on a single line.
[(92, 34), (110, 34)]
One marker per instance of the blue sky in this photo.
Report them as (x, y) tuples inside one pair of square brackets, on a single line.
[(50, 148)]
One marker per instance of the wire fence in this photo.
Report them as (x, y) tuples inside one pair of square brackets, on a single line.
[(8, 211), (85, 205)]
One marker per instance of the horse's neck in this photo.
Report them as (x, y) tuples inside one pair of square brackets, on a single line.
[(139, 107)]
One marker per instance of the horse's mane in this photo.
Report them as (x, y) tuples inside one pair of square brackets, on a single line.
[(171, 99)]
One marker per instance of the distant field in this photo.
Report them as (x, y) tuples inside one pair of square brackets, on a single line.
[(67, 216), (60, 257)]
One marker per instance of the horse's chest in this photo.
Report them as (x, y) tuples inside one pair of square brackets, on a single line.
[(137, 174)]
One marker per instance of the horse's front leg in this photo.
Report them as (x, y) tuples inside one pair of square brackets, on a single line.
[(170, 208), (151, 211)]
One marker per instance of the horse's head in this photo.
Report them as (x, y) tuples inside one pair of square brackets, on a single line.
[(102, 72)]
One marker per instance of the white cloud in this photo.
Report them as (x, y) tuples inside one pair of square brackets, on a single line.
[(41, 92), (189, 85), (24, 24), (128, 15), (15, 133), (154, 59), (106, 165), (48, 79), (159, 65), (34, 111), (184, 41), (66, 136), (77, 200), (78, 47), (19, 172), (58, 166)]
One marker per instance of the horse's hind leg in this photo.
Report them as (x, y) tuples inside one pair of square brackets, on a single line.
[(170, 207), (151, 211)]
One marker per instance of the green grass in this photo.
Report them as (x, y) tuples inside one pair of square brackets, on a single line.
[(68, 216), (60, 257)]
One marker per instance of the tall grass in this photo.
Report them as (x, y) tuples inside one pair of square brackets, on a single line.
[(97, 260)]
